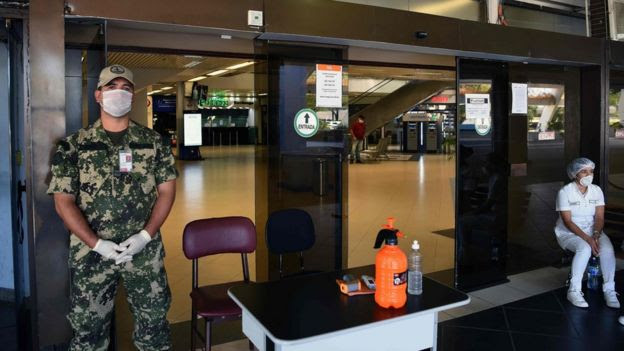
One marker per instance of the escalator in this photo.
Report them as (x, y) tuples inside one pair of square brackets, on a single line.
[(398, 102)]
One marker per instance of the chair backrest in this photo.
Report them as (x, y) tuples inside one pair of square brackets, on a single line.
[(218, 235), (290, 230)]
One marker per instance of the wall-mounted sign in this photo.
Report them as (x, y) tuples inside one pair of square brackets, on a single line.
[(519, 98), (164, 104), (192, 129), (306, 123), (328, 86), (215, 101)]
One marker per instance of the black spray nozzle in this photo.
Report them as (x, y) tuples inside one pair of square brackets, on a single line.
[(387, 235)]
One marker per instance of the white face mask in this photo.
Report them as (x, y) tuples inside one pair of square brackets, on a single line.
[(116, 103), (585, 181)]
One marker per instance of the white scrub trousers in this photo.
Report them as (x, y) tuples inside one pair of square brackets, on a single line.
[(582, 253)]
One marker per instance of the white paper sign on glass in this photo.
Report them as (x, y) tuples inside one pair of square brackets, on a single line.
[(519, 98), (328, 85), (192, 129), (477, 105), (478, 110)]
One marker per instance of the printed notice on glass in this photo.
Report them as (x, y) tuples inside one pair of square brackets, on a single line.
[(477, 106), (192, 129), (328, 86), (519, 98)]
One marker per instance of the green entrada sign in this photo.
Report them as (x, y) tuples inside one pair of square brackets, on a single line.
[(306, 123)]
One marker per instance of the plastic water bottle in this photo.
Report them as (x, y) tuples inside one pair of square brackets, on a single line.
[(593, 274), (414, 270)]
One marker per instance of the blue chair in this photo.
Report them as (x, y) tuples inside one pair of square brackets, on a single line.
[(290, 231)]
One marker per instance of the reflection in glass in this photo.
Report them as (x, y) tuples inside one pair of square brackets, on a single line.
[(531, 196), (617, 18), (615, 189), (482, 186)]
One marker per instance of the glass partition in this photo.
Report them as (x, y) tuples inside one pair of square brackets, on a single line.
[(615, 187), (481, 230), (616, 19)]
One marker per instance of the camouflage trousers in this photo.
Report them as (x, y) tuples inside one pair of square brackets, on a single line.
[(94, 286)]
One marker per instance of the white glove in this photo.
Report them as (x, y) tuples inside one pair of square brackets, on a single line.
[(123, 259), (134, 244), (108, 249)]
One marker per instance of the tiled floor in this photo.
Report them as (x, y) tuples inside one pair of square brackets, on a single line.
[(546, 321)]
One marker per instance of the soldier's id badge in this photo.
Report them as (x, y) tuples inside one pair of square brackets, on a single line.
[(125, 161)]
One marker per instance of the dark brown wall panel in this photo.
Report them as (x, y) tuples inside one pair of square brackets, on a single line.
[(325, 18), (223, 14)]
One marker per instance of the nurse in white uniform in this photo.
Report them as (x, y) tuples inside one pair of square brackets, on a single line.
[(579, 229)]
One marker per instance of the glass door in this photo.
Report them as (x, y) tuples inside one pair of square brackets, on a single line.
[(542, 142), (482, 172), (615, 187), (303, 165)]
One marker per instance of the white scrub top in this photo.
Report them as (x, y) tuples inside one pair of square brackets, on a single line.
[(582, 206)]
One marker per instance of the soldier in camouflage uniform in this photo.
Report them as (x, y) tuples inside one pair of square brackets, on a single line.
[(113, 186)]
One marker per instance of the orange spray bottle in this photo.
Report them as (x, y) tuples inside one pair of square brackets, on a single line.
[(390, 268)]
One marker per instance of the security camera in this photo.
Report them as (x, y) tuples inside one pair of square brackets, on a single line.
[(422, 35)]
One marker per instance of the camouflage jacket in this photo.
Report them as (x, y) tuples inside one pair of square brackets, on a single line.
[(116, 205)]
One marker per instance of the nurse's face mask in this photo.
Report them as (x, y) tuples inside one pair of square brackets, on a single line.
[(585, 181), (116, 103), (586, 177)]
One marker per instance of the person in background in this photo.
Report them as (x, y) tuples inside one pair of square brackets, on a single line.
[(113, 185), (579, 227), (358, 131)]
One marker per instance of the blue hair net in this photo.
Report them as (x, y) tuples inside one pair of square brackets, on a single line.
[(578, 164)]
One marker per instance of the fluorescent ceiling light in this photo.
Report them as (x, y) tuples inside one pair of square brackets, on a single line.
[(216, 73), (154, 92), (197, 78), (241, 65), (166, 88), (192, 64)]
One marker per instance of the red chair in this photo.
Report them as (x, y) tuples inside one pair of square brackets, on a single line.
[(209, 237)]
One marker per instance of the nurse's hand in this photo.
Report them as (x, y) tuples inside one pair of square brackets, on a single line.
[(593, 244)]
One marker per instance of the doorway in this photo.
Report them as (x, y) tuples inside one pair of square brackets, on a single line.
[(408, 167), (511, 165)]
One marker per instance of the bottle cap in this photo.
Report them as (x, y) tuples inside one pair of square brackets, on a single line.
[(415, 245)]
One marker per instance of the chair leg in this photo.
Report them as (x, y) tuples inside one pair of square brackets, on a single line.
[(208, 323), (193, 326)]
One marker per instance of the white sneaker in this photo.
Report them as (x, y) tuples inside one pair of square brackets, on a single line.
[(621, 320), (576, 298), (611, 299)]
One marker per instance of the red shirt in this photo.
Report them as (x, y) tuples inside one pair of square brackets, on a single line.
[(358, 129)]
